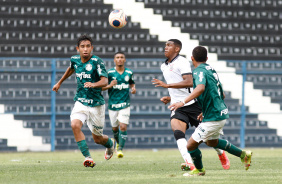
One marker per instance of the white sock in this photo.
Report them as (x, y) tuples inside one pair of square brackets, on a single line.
[(219, 151), (182, 146)]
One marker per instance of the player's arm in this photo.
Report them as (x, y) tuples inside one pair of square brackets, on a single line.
[(113, 83), (165, 99), (196, 93), (133, 89), (66, 75), (101, 83), (186, 83)]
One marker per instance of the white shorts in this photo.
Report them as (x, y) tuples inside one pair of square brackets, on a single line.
[(208, 131), (121, 116), (94, 117)]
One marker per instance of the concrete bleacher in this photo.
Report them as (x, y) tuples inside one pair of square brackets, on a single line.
[(243, 29), (50, 29)]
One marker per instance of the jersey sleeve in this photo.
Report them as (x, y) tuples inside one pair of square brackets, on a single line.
[(101, 69), (71, 63), (200, 77), (131, 80), (184, 67)]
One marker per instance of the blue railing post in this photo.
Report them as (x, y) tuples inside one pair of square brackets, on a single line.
[(243, 112), (53, 105)]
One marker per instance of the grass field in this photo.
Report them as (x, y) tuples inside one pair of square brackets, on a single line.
[(138, 166)]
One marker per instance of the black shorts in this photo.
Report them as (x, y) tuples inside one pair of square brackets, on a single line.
[(188, 114)]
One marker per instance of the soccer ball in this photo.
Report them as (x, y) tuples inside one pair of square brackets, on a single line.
[(117, 18)]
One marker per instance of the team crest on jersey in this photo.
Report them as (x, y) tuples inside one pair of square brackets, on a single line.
[(126, 78), (88, 67), (171, 67)]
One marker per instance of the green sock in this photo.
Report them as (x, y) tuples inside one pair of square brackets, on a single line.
[(122, 139), (243, 154), (83, 148), (196, 156), (116, 135), (109, 143), (230, 148)]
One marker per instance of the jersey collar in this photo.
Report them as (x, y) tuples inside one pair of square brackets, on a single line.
[(171, 60)]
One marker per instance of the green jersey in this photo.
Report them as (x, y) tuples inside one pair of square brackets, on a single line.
[(119, 97), (211, 100), (90, 71)]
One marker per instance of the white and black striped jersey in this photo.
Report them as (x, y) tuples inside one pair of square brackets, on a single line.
[(173, 72)]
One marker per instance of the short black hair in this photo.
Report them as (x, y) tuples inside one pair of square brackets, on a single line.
[(177, 43), (200, 54), (84, 37), (119, 53)]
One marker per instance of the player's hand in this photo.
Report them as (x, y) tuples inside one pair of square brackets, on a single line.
[(165, 99), (89, 85), (175, 106), (133, 90), (200, 117), (113, 82), (159, 83), (56, 87)]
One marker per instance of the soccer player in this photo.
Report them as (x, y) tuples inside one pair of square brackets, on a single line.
[(89, 107), (120, 84), (209, 93), (178, 75)]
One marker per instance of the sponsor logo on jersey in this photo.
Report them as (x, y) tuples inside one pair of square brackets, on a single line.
[(121, 86), (119, 105), (209, 68), (126, 78), (88, 67), (84, 100), (83, 75), (225, 111), (95, 59)]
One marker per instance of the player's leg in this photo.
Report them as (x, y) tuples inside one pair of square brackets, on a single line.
[(76, 125), (109, 143), (179, 129), (123, 118), (195, 152), (95, 123), (77, 120), (232, 149), (211, 134), (122, 138), (115, 124)]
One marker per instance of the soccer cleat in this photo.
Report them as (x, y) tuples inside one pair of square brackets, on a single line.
[(119, 154), (247, 159), (196, 172), (224, 160), (187, 166), (88, 162), (110, 151)]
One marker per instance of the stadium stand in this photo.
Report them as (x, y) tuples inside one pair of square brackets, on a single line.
[(235, 30), (49, 29)]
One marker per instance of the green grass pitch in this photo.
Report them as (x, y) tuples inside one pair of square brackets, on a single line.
[(137, 166)]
